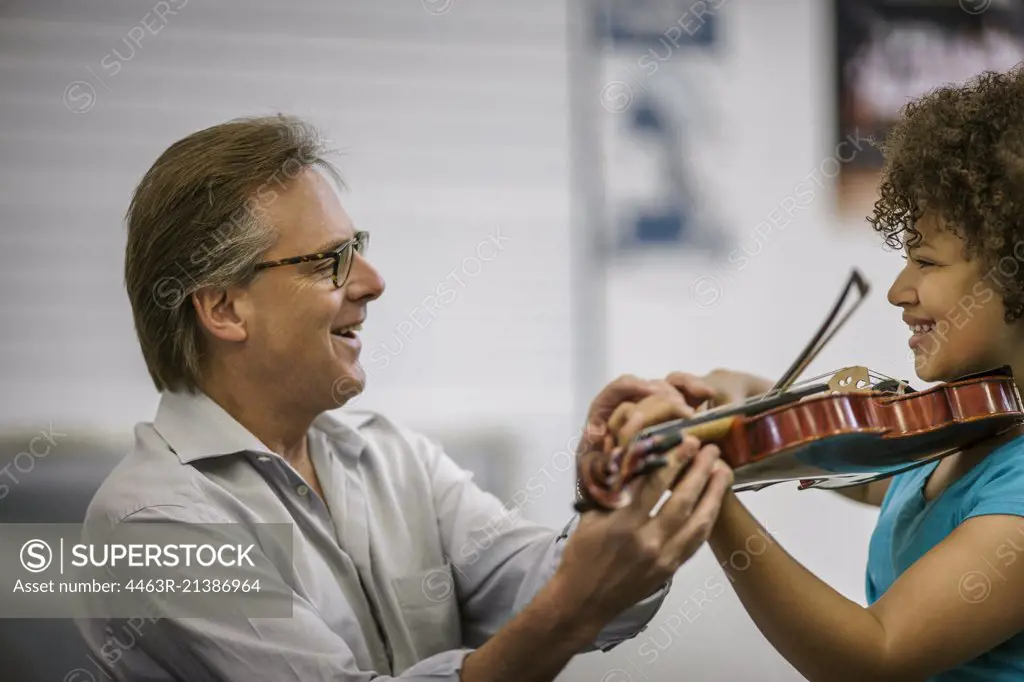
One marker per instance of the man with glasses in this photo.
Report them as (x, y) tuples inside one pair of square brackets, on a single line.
[(249, 284)]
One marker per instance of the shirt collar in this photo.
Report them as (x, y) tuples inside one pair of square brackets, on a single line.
[(197, 428)]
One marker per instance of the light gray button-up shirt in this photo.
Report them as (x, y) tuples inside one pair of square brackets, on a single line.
[(401, 570)]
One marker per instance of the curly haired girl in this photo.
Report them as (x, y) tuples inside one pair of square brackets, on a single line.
[(945, 573)]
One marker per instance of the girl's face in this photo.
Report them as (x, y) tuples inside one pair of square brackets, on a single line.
[(954, 310)]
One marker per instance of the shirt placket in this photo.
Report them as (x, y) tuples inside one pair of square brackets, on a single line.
[(352, 545), (354, 527)]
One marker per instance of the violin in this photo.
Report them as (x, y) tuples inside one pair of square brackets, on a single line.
[(844, 428)]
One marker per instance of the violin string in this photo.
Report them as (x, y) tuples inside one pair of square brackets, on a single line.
[(797, 385), (822, 379)]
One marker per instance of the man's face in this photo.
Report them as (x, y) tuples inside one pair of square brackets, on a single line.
[(295, 314)]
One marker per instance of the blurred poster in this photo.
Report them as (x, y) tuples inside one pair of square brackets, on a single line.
[(890, 51), (661, 155)]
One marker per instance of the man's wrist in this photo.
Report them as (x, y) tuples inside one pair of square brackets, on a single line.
[(571, 614), (538, 642)]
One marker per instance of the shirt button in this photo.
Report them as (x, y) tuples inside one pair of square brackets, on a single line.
[(302, 490)]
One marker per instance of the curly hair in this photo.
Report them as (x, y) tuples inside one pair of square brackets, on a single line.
[(957, 153)]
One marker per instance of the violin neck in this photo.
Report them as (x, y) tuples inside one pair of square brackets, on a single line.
[(759, 404), (713, 430)]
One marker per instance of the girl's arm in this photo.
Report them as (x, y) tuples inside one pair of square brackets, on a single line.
[(958, 601)]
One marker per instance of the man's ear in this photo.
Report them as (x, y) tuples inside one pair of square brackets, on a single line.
[(223, 313)]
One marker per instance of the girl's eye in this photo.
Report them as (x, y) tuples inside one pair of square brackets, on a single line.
[(919, 262)]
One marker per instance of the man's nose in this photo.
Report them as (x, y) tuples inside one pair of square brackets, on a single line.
[(365, 281)]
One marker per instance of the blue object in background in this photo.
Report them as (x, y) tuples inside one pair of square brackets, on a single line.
[(645, 47), (666, 228), (666, 220), (651, 23)]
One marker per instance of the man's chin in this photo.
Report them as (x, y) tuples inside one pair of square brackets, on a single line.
[(348, 385)]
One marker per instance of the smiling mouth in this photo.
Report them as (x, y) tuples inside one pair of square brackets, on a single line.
[(919, 333), (348, 332)]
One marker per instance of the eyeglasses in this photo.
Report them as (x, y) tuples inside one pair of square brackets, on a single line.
[(342, 256)]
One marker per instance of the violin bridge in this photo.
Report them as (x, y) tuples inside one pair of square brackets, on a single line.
[(850, 379)]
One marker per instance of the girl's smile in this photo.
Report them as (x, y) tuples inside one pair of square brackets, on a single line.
[(952, 308)]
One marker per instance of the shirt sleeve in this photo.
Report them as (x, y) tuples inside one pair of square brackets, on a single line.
[(501, 561), (232, 645)]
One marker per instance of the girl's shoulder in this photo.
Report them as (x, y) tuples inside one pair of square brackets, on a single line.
[(995, 485), (1005, 461)]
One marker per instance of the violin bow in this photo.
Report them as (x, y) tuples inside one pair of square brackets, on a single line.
[(856, 283), (779, 393)]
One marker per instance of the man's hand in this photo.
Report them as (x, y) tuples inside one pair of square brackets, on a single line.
[(719, 387), (615, 559), (617, 400)]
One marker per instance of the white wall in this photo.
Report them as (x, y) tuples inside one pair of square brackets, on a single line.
[(455, 124)]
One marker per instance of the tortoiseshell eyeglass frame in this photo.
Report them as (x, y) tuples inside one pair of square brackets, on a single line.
[(360, 242)]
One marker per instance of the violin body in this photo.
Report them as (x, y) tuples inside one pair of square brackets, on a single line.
[(849, 438), (835, 439)]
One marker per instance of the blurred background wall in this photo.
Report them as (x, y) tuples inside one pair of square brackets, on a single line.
[(462, 122)]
